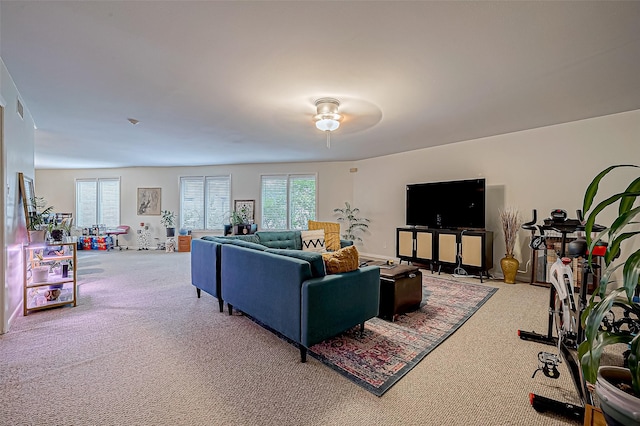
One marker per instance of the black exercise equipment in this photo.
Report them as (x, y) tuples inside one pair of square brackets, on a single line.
[(567, 342)]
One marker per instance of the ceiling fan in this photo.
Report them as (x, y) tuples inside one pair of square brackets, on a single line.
[(328, 116)]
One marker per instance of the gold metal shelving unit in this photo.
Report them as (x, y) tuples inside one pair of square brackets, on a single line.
[(49, 276)]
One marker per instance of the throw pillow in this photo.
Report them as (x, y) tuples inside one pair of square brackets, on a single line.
[(343, 260), (331, 233), (313, 241)]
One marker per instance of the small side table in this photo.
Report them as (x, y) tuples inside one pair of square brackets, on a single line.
[(184, 243)]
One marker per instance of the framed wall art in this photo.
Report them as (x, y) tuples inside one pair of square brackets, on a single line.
[(245, 208), (149, 201)]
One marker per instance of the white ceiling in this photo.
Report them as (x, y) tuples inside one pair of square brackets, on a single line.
[(235, 82)]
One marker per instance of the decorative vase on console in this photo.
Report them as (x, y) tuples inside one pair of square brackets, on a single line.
[(511, 222)]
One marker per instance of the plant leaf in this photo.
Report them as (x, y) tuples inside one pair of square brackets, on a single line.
[(590, 350), (606, 278), (627, 202), (623, 220), (592, 189), (614, 247), (588, 227), (590, 354), (631, 272)]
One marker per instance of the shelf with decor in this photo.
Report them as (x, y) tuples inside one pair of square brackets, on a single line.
[(49, 276)]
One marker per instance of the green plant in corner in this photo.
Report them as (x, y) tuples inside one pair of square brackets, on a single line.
[(622, 229), (355, 224)]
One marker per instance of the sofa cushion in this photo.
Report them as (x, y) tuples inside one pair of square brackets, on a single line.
[(280, 239), (315, 259), (226, 240), (247, 244), (215, 239), (343, 260), (252, 238), (313, 240), (331, 233)]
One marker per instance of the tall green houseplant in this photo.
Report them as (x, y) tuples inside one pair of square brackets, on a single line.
[(622, 229), (354, 224)]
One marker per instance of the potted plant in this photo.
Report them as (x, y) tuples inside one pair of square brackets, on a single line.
[(618, 388), (239, 222), (168, 219), (511, 222), (355, 224), (37, 219), (57, 231), (236, 218)]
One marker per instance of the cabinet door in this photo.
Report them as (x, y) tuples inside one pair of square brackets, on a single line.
[(424, 245), (405, 244), (447, 248), (472, 250)]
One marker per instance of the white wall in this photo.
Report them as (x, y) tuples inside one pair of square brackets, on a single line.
[(335, 185), (17, 156), (543, 169)]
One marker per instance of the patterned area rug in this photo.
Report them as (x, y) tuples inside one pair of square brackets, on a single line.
[(389, 350)]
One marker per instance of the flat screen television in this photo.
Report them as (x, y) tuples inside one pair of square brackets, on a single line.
[(447, 205)]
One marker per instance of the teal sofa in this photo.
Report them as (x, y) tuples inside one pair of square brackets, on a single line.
[(284, 288), (205, 256)]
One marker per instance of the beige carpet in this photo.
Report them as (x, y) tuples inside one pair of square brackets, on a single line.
[(141, 349)]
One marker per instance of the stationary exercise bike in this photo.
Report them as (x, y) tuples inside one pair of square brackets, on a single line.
[(565, 310)]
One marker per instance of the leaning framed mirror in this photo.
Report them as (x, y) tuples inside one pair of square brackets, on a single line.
[(27, 195)]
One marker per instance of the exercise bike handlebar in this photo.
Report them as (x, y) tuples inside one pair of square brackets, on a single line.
[(559, 223), (531, 225)]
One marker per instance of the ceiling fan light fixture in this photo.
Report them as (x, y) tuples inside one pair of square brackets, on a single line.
[(327, 117), (327, 124)]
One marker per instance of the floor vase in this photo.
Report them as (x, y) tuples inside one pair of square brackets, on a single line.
[(509, 265)]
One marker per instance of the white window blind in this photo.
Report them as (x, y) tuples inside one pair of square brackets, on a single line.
[(302, 200), (204, 201), (288, 201), (98, 202), (218, 197), (274, 202)]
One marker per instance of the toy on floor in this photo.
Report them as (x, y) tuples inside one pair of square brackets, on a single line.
[(144, 237)]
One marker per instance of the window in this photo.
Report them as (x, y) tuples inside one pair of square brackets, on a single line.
[(288, 201), (98, 202), (205, 202)]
